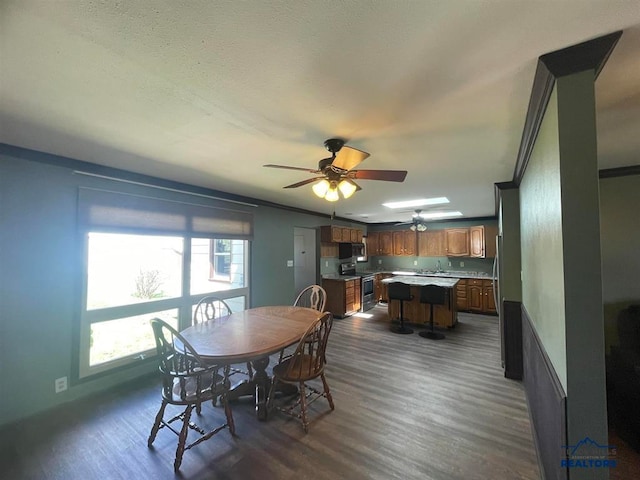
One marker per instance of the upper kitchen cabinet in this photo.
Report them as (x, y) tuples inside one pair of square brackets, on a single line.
[(404, 242), (380, 243), (482, 241), (432, 244), (457, 242), (334, 234)]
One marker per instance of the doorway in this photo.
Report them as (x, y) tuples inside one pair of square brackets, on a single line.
[(304, 257)]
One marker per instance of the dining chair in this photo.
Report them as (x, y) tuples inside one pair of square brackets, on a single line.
[(189, 382), (306, 363), (313, 296), (211, 308)]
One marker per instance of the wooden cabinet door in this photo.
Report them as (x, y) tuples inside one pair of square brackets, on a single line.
[(357, 301), (476, 242), (457, 242), (345, 235), (377, 284), (475, 296), (373, 243), (489, 304), (386, 243), (432, 244), (359, 236), (410, 242), (336, 234), (398, 243)]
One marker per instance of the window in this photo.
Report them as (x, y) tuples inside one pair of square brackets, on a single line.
[(133, 274)]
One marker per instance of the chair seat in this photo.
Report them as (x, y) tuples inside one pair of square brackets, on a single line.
[(302, 364)]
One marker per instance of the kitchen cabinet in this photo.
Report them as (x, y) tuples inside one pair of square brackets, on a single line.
[(384, 287), (475, 295), (404, 242), (482, 241), (461, 295), (328, 249), (488, 302), (385, 243), (343, 296), (479, 297), (457, 242), (335, 234), (432, 244), (373, 243)]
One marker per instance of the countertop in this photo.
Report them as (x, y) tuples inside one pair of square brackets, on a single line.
[(341, 278), (419, 280), (448, 274)]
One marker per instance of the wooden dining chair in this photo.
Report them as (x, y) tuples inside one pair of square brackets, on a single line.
[(211, 308), (313, 296), (187, 381), (306, 363)]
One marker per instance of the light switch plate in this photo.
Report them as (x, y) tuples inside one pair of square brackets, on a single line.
[(60, 384), (462, 264), (289, 263), (415, 262)]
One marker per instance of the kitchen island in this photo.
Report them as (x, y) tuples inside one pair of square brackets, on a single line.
[(418, 313)]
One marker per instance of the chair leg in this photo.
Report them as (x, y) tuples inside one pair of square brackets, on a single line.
[(272, 393), (156, 424), (250, 370), (182, 438), (303, 407), (327, 392)]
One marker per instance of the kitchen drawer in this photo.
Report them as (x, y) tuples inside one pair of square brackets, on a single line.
[(476, 281)]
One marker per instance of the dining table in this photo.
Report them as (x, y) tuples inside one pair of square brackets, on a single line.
[(251, 335)]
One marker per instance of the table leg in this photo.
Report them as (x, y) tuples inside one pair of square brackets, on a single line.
[(263, 384)]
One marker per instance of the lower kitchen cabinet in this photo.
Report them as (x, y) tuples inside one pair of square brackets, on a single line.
[(480, 296), (343, 296), (461, 295)]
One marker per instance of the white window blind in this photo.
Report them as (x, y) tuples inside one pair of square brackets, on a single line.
[(103, 209)]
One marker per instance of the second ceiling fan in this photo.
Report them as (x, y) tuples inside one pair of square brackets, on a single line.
[(337, 174)]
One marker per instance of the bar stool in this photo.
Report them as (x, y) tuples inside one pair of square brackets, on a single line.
[(433, 295), (402, 292)]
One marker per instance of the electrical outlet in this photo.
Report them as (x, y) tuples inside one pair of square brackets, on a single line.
[(379, 262), (415, 262), (449, 263), (326, 263), (462, 264), (289, 263), (60, 384)]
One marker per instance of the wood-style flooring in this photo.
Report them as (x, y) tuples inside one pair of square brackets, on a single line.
[(406, 408)]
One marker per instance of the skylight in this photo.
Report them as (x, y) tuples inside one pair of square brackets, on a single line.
[(417, 203), (440, 214)]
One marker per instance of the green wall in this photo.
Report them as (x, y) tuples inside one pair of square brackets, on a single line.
[(40, 269), (561, 260), (541, 241)]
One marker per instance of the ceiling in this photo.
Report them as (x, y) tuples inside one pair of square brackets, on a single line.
[(207, 92)]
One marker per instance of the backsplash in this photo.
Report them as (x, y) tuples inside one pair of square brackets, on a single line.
[(483, 265)]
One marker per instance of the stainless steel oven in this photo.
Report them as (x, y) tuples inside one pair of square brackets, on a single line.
[(368, 292)]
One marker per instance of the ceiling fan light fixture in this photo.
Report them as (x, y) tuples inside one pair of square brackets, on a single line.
[(413, 228), (347, 188), (321, 188), (332, 193), (421, 227)]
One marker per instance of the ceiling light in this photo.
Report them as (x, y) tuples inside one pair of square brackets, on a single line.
[(347, 188), (417, 203), (332, 193), (440, 214), (421, 227), (320, 188)]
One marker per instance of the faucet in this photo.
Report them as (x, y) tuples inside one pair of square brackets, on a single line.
[(439, 267)]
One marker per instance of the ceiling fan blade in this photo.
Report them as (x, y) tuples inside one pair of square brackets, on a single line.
[(348, 158), (387, 175), (403, 223), (304, 182), (286, 167)]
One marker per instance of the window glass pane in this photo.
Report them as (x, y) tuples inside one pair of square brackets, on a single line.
[(217, 265), (126, 269), (125, 336)]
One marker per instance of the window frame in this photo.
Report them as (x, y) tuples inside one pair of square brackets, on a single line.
[(183, 303)]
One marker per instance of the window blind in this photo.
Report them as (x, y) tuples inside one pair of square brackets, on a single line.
[(103, 209)]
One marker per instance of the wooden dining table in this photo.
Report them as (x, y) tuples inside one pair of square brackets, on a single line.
[(251, 336)]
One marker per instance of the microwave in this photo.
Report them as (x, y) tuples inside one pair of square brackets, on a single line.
[(350, 250)]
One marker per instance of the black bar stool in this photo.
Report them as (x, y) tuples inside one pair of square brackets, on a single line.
[(402, 292), (433, 295)]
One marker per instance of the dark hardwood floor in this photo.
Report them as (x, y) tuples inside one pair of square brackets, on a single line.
[(406, 408)]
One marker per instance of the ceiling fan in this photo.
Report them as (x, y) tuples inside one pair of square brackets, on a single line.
[(337, 174), (417, 222)]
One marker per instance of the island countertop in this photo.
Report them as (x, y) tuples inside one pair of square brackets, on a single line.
[(421, 281)]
